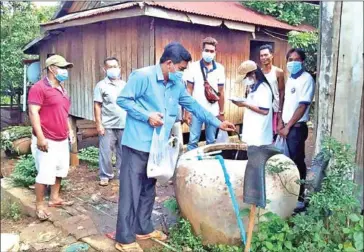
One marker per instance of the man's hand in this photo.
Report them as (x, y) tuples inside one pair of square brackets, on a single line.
[(284, 132), (155, 119), (280, 125), (221, 117), (100, 129), (42, 144), (72, 137), (187, 118), (227, 126)]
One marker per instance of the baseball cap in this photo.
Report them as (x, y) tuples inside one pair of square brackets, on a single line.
[(245, 68), (57, 60)]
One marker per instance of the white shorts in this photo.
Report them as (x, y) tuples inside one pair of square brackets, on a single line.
[(51, 164)]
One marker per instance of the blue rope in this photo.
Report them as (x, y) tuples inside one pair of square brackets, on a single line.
[(233, 198)]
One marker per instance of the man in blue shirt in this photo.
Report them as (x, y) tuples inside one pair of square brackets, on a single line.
[(150, 98)]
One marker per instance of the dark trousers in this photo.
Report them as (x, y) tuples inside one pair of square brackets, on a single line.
[(136, 196), (296, 144)]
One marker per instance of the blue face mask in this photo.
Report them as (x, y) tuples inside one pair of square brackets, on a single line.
[(294, 67), (175, 76), (62, 75)]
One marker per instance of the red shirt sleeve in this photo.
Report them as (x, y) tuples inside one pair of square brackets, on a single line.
[(36, 95)]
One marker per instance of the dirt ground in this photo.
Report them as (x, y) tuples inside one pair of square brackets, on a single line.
[(82, 186)]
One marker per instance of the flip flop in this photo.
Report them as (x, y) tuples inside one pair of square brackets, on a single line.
[(61, 203), (156, 234), (132, 247), (42, 215), (111, 235)]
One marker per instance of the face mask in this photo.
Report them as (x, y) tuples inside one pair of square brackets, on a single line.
[(248, 81), (175, 76), (113, 73), (62, 74), (208, 57), (294, 67)]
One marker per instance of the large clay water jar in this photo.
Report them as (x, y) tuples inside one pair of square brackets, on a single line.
[(204, 199), (22, 145)]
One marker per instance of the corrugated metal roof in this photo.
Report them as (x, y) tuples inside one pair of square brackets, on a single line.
[(233, 11)]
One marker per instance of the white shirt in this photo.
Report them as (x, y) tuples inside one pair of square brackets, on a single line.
[(298, 91), (257, 128), (273, 81), (216, 78)]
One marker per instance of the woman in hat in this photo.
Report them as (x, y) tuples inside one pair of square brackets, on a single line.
[(257, 126)]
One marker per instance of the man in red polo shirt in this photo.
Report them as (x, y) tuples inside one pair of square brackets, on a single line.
[(49, 107)]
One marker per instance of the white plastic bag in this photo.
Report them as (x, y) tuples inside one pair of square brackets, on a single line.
[(222, 137), (163, 156), (281, 145)]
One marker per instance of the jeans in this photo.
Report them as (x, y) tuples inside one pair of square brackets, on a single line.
[(296, 144), (110, 141), (195, 133)]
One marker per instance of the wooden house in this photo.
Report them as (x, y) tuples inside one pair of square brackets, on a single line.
[(85, 33)]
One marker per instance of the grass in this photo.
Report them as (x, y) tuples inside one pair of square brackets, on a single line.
[(10, 210)]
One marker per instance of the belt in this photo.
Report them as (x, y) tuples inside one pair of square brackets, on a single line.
[(298, 125)]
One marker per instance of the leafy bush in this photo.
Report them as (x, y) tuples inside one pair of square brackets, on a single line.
[(10, 210), (172, 205), (293, 13), (13, 133), (25, 172), (308, 41), (90, 155)]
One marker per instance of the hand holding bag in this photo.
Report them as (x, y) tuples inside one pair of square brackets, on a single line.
[(281, 145), (163, 156)]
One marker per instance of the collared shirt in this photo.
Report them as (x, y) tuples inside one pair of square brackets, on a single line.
[(146, 92), (216, 78), (300, 89), (257, 128), (54, 109), (106, 92)]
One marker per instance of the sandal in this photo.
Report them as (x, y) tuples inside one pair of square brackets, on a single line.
[(156, 234), (111, 235), (132, 247), (104, 182), (61, 203), (42, 214)]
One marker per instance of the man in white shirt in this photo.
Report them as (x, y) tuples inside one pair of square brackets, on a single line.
[(214, 73), (110, 118), (299, 92), (275, 77)]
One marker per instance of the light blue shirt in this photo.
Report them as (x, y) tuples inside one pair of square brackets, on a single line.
[(145, 93)]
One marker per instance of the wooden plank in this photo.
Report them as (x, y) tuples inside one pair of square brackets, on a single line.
[(134, 44), (152, 59), (349, 86), (326, 81)]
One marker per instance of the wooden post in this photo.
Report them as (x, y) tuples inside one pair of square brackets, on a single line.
[(74, 161)]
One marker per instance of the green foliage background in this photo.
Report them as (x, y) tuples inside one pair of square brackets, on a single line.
[(19, 25)]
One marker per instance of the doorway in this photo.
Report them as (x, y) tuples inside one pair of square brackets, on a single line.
[(254, 49)]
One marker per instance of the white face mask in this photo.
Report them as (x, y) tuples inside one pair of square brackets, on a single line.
[(248, 81)]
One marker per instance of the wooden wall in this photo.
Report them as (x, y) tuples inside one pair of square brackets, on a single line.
[(233, 48), (130, 40)]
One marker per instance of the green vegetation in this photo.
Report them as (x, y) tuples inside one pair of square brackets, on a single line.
[(25, 172), (90, 156), (293, 13), (332, 222), (19, 25), (10, 210)]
